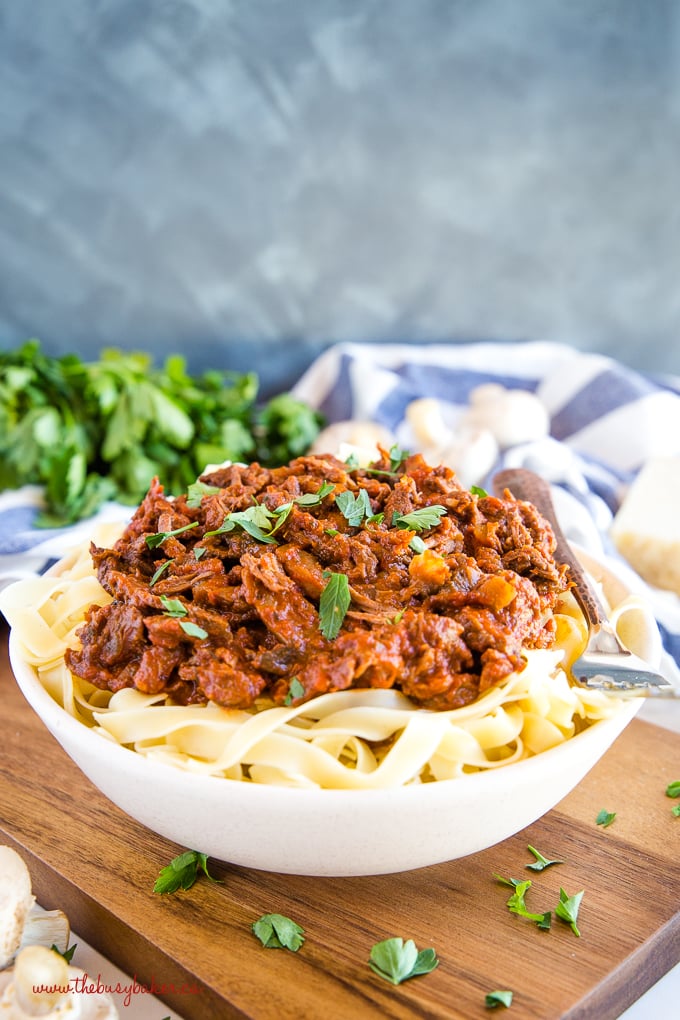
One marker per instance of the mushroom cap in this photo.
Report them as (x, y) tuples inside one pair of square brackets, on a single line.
[(16, 900)]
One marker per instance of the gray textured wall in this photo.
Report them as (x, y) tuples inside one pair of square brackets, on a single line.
[(248, 181)]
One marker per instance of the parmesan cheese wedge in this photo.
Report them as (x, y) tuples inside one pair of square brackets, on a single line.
[(646, 528)]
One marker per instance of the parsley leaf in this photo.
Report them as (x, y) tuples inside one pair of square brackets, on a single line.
[(605, 818), (314, 498), (155, 540), (397, 457), (497, 998), (567, 909), (477, 490), (516, 904), (295, 690), (176, 609), (256, 520), (67, 954), (354, 508), (91, 431), (278, 932), (182, 872), (282, 512), (197, 490), (541, 862), (420, 520), (173, 607), (163, 567), (192, 629), (395, 960), (673, 789), (333, 604)]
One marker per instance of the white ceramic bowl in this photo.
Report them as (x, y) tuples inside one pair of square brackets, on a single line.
[(334, 832)]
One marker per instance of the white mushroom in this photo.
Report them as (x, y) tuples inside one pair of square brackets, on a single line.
[(40, 980), (425, 417), (16, 900), (22, 923), (513, 416), (358, 437), (471, 453), (46, 928), (44, 986)]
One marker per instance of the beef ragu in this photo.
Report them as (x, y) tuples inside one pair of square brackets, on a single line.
[(275, 585)]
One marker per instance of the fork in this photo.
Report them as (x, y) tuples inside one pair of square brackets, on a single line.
[(605, 664)]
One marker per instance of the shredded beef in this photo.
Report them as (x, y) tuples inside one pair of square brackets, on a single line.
[(440, 613)]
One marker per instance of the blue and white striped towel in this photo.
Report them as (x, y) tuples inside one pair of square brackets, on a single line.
[(606, 420)]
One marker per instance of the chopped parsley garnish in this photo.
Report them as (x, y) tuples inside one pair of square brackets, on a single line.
[(161, 570), (605, 818), (397, 457), (192, 629), (395, 960), (420, 520), (497, 998), (256, 520), (155, 540), (295, 690), (176, 609), (673, 790), (67, 954), (567, 909), (173, 607), (541, 862), (354, 508), (314, 498), (333, 604), (182, 872), (197, 490), (517, 905), (278, 932), (477, 490)]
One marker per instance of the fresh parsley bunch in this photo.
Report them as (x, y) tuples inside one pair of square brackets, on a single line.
[(91, 431)]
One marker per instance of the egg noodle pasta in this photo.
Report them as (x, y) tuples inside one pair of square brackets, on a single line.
[(351, 739)]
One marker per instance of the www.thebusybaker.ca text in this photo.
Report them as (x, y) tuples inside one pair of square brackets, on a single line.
[(83, 984)]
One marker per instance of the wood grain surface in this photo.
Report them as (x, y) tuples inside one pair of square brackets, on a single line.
[(198, 952)]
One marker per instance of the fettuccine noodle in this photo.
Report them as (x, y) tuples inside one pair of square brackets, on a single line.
[(353, 739)]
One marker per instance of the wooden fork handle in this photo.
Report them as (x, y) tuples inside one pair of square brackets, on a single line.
[(529, 487)]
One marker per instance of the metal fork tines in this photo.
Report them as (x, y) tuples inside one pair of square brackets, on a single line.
[(605, 664)]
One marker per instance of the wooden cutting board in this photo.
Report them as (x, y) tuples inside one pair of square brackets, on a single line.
[(89, 859)]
